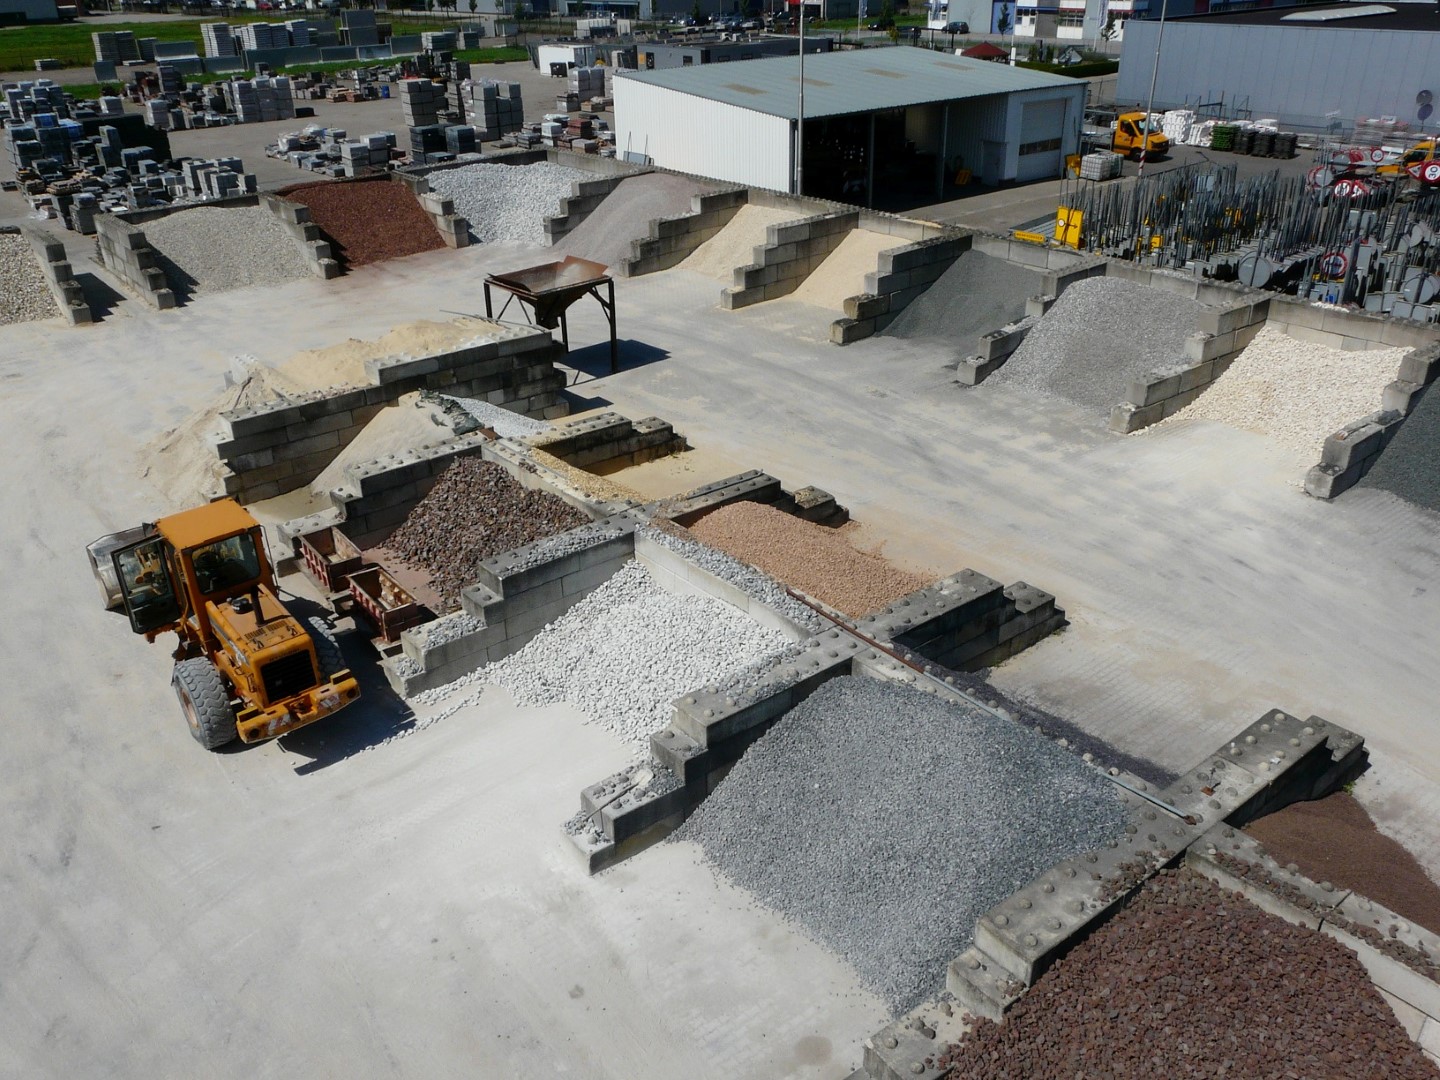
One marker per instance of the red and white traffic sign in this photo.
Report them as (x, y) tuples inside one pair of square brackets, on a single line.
[(1334, 265)]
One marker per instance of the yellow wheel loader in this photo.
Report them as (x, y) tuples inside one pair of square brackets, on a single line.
[(244, 666)]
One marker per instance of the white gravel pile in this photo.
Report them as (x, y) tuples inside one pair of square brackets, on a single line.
[(24, 295), (622, 656), (1295, 392), (884, 821), (1101, 334), (215, 248), (506, 424), (507, 203)]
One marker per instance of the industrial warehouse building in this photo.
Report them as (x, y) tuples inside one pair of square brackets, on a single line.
[(880, 125), (1315, 68)]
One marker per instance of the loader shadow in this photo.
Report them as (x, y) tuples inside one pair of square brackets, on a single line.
[(379, 714)]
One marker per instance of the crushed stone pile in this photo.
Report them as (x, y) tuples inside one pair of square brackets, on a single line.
[(1295, 392), (475, 510), (816, 560), (216, 248), (978, 294), (507, 203), (625, 215), (623, 655), (1410, 465), (884, 821), (1192, 981), (1098, 336), (24, 294), (367, 221), (505, 423)]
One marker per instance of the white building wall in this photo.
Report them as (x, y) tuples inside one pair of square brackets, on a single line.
[(708, 138)]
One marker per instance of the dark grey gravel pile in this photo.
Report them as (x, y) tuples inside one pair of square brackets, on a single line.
[(1410, 465), (884, 821), (980, 293), (1101, 334)]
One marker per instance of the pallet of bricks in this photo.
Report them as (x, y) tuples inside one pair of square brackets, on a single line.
[(115, 46), (421, 103), (366, 155), (585, 84), (494, 108), (260, 99)]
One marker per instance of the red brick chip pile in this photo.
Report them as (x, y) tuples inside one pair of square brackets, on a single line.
[(367, 221), (1192, 981)]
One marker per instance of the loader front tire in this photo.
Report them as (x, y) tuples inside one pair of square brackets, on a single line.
[(205, 702), (328, 656)]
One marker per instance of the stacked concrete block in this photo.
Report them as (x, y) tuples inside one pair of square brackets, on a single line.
[(421, 102), (115, 46), (296, 221), (438, 41), (302, 34), (453, 228), (218, 39), (576, 207), (125, 253), (495, 108), (257, 36), (260, 99), (359, 28), (55, 264), (611, 439), (672, 240), (901, 276), (793, 252), (587, 82), (273, 449)]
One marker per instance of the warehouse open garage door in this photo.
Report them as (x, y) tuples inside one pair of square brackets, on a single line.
[(1042, 136)]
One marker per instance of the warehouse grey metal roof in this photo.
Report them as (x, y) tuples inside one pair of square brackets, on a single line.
[(855, 81)]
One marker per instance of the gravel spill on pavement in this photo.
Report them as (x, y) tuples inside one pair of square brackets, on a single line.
[(505, 423), (507, 203), (1190, 980), (1295, 392), (367, 221), (818, 561), (625, 215), (475, 510), (978, 294), (24, 294), (884, 821), (1098, 336), (622, 655), (216, 248), (1410, 466)]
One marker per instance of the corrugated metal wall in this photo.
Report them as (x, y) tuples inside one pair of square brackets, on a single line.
[(1294, 74), (693, 135)]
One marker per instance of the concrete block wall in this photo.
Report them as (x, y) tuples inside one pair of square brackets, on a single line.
[(59, 276), (453, 228), (295, 220), (994, 348), (586, 197), (610, 441), (899, 278), (124, 251), (270, 449), (792, 251), (672, 240), (1338, 328)]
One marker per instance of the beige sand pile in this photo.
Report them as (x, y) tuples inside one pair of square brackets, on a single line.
[(344, 364), (409, 424), (735, 244), (842, 274)]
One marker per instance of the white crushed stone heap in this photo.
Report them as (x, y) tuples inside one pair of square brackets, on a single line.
[(1295, 392), (24, 295), (507, 203), (505, 423), (622, 656), (226, 247)]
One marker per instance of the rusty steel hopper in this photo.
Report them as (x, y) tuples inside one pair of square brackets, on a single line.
[(548, 291)]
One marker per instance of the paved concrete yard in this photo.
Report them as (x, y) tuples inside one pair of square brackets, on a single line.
[(307, 908)]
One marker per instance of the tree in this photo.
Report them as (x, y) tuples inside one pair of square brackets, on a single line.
[(887, 15), (1002, 24), (474, 5), (696, 13)]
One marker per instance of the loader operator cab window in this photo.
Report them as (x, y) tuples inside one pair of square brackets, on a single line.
[(144, 576), (226, 563)]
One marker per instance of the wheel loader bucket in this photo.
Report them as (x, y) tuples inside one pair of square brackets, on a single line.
[(103, 566)]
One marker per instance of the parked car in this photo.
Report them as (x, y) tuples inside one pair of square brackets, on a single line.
[(957, 28)]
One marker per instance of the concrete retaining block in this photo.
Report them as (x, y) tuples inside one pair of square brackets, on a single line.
[(59, 277)]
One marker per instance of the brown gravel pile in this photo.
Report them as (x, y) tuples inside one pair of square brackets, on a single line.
[(367, 221), (1190, 981), (475, 510), (1334, 840), (818, 561)]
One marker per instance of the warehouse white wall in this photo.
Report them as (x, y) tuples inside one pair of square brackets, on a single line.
[(708, 138), (1295, 74)]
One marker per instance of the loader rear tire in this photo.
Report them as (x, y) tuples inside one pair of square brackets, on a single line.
[(327, 650), (205, 702)]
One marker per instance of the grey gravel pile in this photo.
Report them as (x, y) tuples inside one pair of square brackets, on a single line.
[(744, 577), (1410, 465), (446, 629), (1099, 335), (884, 821), (625, 215), (506, 424), (24, 295), (978, 294), (215, 248), (507, 203), (623, 655), (566, 543)]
